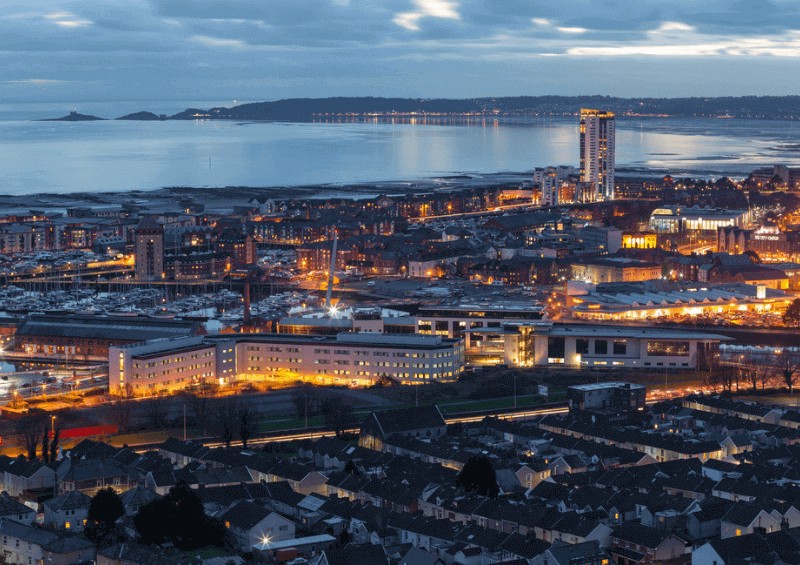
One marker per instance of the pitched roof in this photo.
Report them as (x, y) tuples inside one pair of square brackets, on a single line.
[(362, 554), (408, 419), (71, 500), (245, 514), (10, 506), (640, 534)]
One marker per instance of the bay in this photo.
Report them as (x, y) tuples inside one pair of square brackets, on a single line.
[(62, 157)]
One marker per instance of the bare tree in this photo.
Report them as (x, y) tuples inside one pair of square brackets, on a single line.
[(788, 366), (338, 414), (713, 381), (245, 427), (156, 410), (225, 421), (751, 374), (728, 375), (30, 428), (121, 406), (200, 403)]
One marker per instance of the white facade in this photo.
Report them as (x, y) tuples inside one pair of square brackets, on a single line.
[(169, 364), (546, 344), (351, 358), (347, 358), (597, 151)]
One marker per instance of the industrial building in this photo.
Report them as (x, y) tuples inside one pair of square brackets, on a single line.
[(73, 338)]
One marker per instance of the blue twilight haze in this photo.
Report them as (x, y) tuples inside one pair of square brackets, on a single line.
[(250, 50)]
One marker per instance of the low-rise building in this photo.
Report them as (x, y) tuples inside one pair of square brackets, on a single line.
[(575, 345), (614, 269), (680, 219)]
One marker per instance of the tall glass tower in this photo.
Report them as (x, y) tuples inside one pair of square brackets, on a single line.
[(597, 152)]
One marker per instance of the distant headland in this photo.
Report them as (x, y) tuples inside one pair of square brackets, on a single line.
[(311, 109)]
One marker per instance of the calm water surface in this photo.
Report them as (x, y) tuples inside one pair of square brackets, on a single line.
[(122, 155)]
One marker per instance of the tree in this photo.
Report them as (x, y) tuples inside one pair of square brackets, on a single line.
[(101, 522), (200, 403), (304, 400), (46, 444), (156, 410), (225, 421), (728, 375), (792, 315), (178, 518), (788, 365), (120, 407), (30, 428), (54, 445), (245, 427), (338, 414), (478, 476)]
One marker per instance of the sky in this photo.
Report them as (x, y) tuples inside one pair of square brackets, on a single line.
[(252, 50)]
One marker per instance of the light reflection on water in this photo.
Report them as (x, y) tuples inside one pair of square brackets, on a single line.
[(117, 155)]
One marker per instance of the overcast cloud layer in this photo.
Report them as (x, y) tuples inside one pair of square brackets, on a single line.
[(250, 50)]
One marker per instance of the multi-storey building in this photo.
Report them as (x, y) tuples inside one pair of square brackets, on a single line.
[(597, 147), (149, 250), (170, 364), (346, 358)]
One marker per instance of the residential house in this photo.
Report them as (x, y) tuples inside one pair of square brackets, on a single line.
[(68, 511), (20, 475), (424, 422), (634, 543), (12, 509), (747, 518), (250, 523)]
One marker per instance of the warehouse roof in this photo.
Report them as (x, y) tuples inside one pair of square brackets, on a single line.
[(123, 328)]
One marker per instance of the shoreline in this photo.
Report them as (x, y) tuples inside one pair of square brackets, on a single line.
[(218, 198)]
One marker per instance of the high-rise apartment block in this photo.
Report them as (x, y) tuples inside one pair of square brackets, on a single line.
[(149, 250), (597, 152)]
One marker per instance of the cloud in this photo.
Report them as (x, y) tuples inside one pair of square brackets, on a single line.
[(218, 42), (74, 23), (573, 30), (541, 21), (67, 19), (668, 27), (37, 81), (442, 9)]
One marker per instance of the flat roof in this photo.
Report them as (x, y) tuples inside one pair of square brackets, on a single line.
[(375, 340), (283, 544), (608, 384), (569, 330), (163, 352)]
